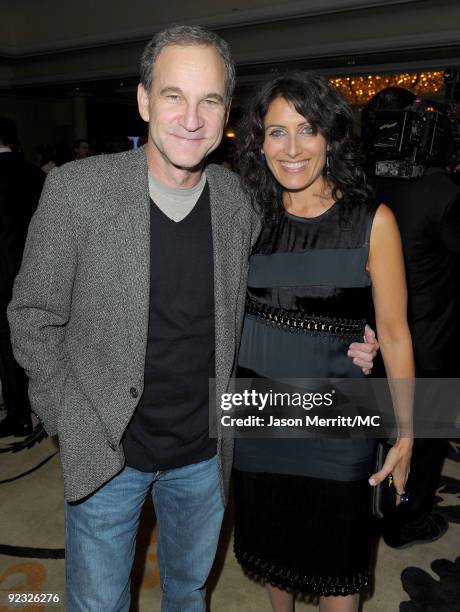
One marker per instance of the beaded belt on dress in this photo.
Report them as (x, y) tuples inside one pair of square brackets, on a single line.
[(301, 322)]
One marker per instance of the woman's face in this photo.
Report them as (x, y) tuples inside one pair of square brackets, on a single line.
[(295, 155)]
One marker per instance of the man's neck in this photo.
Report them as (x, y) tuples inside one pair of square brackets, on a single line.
[(171, 176)]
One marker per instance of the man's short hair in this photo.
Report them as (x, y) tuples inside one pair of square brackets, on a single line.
[(390, 98), (185, 36)]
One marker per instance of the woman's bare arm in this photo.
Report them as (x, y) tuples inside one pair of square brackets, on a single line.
[(386, 267)]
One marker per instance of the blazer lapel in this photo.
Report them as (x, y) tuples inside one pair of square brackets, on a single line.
[(132, 228), (229, 252)]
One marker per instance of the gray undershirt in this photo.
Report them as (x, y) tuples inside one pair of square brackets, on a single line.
[(175, 203)]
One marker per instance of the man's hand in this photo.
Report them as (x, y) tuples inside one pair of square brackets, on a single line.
[(364, 353)]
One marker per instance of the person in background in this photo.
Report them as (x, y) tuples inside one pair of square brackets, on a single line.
[(20, 188), (46, 158), (427, 211), (81, 149)]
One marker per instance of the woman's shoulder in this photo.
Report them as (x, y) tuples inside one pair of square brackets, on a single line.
[(383, 216), (385, 230), (357, 217)]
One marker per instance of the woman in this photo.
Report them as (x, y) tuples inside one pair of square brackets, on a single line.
[(303, 511)]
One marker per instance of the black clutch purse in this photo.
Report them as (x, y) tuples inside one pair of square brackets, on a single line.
[(383, 494)]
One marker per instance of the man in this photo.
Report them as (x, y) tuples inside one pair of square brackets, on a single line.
[(428, 214), (138, 301), (20, 187), (81, 149)]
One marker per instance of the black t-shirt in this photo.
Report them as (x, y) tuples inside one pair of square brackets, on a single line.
[(428, 214), (170, 427)]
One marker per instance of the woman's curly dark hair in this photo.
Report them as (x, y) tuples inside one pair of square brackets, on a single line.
[(328, 113)]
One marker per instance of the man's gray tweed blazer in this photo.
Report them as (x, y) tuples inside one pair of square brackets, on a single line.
[(80, 305)]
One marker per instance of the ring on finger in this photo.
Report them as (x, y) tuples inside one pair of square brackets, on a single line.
[(404, 498)]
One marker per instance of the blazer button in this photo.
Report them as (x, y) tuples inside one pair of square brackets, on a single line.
[(133, 392)]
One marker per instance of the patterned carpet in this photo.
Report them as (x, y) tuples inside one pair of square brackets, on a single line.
[(424, 578)]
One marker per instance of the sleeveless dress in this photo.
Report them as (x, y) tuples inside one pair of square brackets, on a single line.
[(303, 510)]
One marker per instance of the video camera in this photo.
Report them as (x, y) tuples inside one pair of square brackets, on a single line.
[(406, 142)]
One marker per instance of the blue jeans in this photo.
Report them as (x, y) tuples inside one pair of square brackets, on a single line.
[(101, 537)]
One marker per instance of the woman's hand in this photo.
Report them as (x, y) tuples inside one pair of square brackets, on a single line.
[(397, 464)]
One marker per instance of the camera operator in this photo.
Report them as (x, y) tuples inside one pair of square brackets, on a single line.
[(426, 204)]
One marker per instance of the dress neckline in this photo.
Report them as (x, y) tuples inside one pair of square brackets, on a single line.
[(315, 219)]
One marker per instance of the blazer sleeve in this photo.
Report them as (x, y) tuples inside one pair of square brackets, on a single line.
[(40, 308)]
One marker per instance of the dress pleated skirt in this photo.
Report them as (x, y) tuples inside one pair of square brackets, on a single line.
[(304, 534)]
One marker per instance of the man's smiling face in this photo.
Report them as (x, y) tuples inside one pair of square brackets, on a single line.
[(186, 109)]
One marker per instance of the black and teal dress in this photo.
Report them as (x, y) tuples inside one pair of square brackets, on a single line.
[(303, 509)]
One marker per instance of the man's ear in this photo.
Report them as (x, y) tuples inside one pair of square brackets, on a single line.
[(143, 103), (227, 112)]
